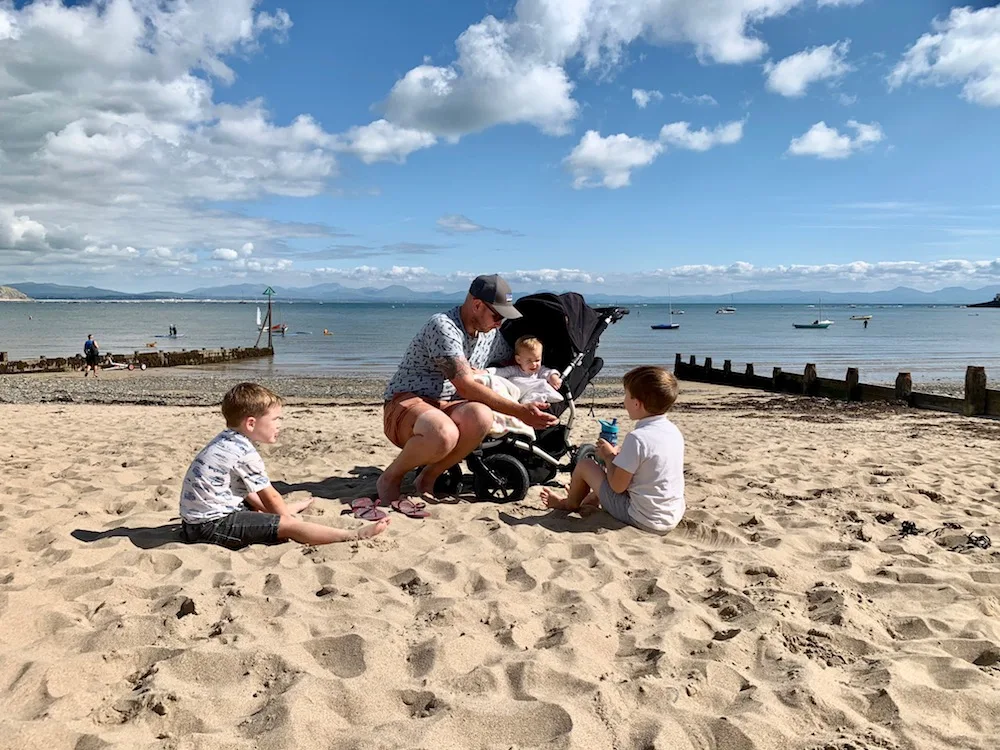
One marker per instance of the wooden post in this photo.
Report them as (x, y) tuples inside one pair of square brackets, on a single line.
[(975, 391), (776, 379), (727, 368), (677, 361), (904, 387), (708, 364), (809, 380), (749, 369), (692, 361), (851, 384)]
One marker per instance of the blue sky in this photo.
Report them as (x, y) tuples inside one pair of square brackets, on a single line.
[(811, 144)]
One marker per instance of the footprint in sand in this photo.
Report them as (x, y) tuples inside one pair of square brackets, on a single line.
[(343, 655)]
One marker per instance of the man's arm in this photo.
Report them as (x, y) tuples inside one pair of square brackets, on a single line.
[(460, 373)]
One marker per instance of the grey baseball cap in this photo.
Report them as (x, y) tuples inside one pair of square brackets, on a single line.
[(496, 293)]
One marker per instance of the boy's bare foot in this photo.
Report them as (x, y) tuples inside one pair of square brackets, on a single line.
[(373, 529), (299, 505), (554, 501)]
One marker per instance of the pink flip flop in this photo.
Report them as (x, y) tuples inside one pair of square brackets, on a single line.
[(410, 508), (367, 509)]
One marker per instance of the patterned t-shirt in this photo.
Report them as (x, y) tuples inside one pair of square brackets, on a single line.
[(443, 337), (227, 470)]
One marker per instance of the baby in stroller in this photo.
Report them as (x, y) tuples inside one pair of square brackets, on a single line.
[(503, 468), (535, 382)]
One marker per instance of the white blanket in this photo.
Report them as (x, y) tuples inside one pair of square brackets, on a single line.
[(536, 390), (504, 424)]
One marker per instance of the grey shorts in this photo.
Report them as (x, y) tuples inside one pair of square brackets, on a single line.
[(239, 529), (615, 503)]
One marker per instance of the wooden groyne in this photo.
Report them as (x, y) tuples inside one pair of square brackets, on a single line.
[(138, 359), (979, 401)]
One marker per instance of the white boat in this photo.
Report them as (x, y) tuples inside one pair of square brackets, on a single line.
[(259, 323), (725, 311), (818, 323), (861, 317)]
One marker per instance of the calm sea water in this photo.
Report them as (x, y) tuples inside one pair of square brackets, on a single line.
[(934, 343)]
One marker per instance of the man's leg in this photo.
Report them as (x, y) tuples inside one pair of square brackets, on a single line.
[(434, 436), (473, 421)]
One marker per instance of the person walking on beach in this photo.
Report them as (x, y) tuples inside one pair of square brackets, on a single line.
[(227, 498), (435, 411), (92, 354)]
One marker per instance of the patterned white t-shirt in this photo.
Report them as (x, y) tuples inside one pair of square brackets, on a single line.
[(443, 337), (225, 471)]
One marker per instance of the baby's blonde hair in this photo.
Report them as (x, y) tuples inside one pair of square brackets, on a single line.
[(247, 400), (527, 342)]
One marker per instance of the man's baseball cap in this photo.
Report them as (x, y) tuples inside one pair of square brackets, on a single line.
[(495, 292)]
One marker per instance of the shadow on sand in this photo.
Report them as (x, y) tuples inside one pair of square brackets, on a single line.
[(143, 537), (560, 520)]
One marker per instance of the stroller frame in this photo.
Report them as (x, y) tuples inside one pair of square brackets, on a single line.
[(504, 468)]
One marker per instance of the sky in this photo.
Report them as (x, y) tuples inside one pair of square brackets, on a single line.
[(595, 145)]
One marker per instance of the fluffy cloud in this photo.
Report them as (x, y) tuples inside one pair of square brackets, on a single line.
[(792, 75), (643, 97), (111, 139), (680, 135), (822, 3), (964, 48), (696, 99), (609, 161), (383, 141), (459, 224), (514, 70), (825, 142)]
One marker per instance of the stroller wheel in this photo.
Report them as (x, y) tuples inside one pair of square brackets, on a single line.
[(502, 479), (585, 451), (449, 483)]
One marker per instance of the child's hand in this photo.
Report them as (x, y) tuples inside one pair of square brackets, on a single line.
[(554, 380), (606, 451)]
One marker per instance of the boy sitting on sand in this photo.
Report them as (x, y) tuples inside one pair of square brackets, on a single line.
[(644, 482), (227, 498)]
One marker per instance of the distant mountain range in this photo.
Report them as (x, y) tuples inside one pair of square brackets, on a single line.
[(332, 292)]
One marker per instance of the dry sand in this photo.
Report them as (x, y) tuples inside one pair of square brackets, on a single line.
[(781, 614)]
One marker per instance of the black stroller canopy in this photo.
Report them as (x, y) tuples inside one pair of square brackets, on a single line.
[(564, 323)]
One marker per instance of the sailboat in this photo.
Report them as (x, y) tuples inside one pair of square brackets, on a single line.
[(728, 309), (820, 322), (259, 323), (671, 325)]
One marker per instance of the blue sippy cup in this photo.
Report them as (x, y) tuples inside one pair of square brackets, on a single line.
[(609, 430)]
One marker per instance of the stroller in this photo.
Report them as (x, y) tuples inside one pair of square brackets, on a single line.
[(502, 469)]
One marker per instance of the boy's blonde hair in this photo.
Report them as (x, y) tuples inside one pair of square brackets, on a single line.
[(247, 400), (527, 342), (655, 387)]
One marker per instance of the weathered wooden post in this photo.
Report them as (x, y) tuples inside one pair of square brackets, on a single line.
[(749, 369), (727, 369), (975, 391), (904, 387), (692, 361), (776, 379), (677, 361), (851, 384), (708, 364), (809, 380)]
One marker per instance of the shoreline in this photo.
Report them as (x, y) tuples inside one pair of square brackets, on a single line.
[(199, 386)]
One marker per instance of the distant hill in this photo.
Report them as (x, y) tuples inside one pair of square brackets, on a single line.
[(10, 294), (334, 292)]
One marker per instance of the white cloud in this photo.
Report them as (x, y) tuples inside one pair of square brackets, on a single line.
[(963, 49), (792, 75), (459, 224), (680, 135), (383, 141), (834, 3), (643, 97), (111, 140), (696, 99), (829, 143), (224, 253), (609, 161), (514, 70)]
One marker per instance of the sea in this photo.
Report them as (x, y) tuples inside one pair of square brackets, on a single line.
[(933, 343)]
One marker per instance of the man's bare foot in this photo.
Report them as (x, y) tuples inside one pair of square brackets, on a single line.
[(387, 491), (299, 505), (423, 485), (554, 501), (373, 529)]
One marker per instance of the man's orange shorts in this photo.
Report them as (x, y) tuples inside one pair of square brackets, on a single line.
[(401, 414)]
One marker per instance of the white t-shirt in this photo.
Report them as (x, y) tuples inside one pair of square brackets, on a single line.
[(654, 454), (225, 471)]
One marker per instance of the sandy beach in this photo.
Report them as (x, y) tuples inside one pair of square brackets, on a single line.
[(789, 610)]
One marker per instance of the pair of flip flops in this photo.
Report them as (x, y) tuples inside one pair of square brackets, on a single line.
[(368, 510)]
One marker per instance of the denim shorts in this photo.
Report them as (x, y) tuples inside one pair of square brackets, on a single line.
[(239, 529)]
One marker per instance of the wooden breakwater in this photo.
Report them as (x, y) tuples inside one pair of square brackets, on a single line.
[(149, 358), (978, 401)]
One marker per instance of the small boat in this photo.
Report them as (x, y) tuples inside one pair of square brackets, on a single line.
[(678, 312), (665, 326), (861, 317), (818, 323), (725, 311)]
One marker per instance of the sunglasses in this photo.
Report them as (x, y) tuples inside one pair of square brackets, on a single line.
[(497, 317)]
